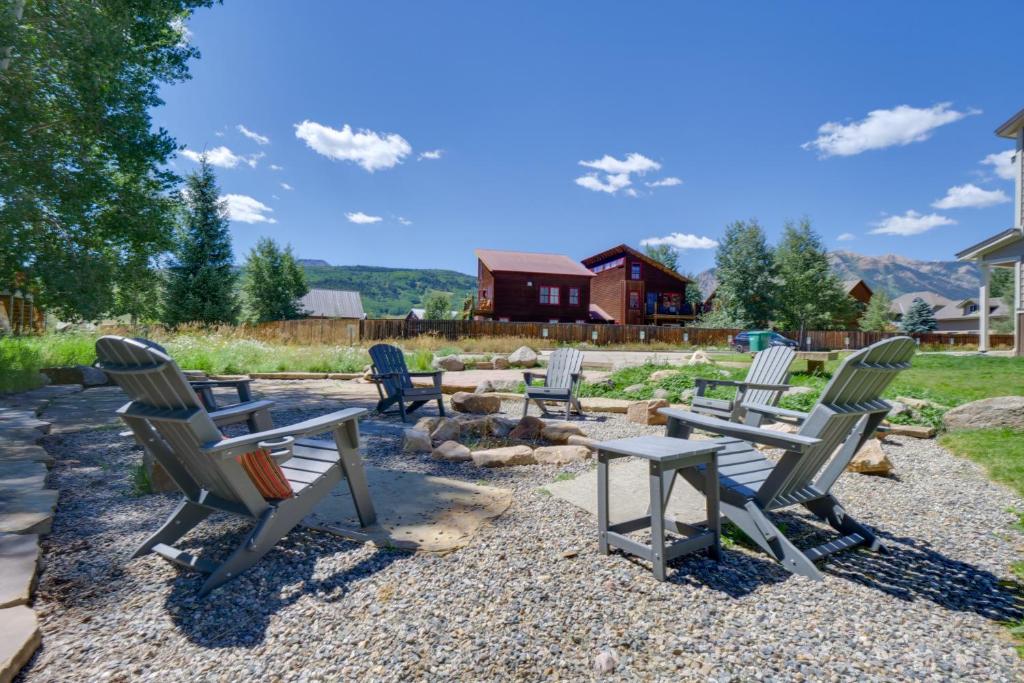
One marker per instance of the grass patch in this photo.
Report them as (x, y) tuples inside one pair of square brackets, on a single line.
[(141, 483), (999, 451), (565, 476), (680, 381), (21, 357), (420, 360)]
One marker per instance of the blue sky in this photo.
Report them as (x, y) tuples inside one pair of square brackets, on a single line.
[(571, 127)]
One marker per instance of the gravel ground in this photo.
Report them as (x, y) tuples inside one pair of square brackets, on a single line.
[(530, 598)]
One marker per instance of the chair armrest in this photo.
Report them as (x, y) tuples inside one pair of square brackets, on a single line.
[(529, 376), (775, 412), (761, 385), (423, 374), (214, 383), (768, 437), (237, 412), (221, 450)]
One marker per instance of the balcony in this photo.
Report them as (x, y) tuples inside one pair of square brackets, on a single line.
[(485, 307)]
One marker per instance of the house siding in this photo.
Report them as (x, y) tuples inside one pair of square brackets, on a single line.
[(610, 289), (516, 296)]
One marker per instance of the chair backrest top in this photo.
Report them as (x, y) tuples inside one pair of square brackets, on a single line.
[(390, 359), (770, 366), (562, 365)]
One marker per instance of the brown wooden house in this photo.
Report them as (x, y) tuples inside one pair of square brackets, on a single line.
[(634, 289), (523, 286), (860, 293)]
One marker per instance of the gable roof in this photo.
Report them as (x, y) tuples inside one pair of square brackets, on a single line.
[(902, 303), (626, 249), (1010, 128), (850, 285), (332, 303), (997, 309), (529, 262)]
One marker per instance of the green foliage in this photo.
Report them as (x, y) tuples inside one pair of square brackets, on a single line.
[(878, 315), (1001, 284), (273, 283), (693, 295), (420, 360), (919, 318), (663, 254), (221, 355), (138, 289), (438, 306), (808, 295), (746, 274), (391, 291), (201, 278), (718, 318), (21, 357), (141, 483), (84, 186), (680, 381)]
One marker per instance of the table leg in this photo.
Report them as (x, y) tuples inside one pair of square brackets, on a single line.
[(602, 503), (711, 498), (657, 522)]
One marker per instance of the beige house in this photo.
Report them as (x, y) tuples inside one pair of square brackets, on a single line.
[(902, 303), (1004, 249)]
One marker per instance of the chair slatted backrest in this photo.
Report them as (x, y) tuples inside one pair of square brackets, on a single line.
[(390, 359), (845, 416), (161, 395), (563, 364), (770, 366)]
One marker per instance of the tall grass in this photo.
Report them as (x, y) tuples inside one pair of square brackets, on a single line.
[(22, 357)]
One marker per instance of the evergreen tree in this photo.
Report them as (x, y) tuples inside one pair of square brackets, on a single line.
[(663, 254), (746, 272), (1001, 284), (201, 281), (919, 318), (273, 283), (438, 306), (137, 291), (808, 295), (878, 315)]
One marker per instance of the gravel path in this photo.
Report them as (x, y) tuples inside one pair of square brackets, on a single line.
[(530, 598)]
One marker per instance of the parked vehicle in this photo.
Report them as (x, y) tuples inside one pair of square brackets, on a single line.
[(741, 342)]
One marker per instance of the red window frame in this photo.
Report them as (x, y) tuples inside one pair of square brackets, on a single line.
[(634, 300), (636, 271), (552, 293), (574, 296)]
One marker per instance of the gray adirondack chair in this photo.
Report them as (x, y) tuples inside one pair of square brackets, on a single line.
[(394, 382), (764, 384), (165, 414), (561, 382), (845, 416)]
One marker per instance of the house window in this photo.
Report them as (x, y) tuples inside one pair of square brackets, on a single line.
[(550, 296), (634, 300), (972, 308), (574, 296), (634, 271)]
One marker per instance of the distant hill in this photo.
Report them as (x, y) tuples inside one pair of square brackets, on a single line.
[(311, 262), (389, 292), (895, 274)]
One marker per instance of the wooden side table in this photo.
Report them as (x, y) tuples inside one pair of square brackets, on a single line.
[(665, 456)]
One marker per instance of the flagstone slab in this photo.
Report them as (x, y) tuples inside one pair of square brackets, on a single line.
[(19, 451), (19, 562), (27, 512), (21, 475), (19, 639)]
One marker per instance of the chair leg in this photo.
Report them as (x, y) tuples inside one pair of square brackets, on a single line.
[(271, 528), (184, 518), (829, 509), (568, 408), (526, 406), (401, 409), (346, 437), (760, 529), (440, 405)]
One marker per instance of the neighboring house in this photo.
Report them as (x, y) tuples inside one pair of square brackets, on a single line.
[(709, 302), (1004, 249), (902, 303), (965, 316), (421, 314), (634, 289), (524, 286), (859, 291), (332, 303), (19, 314)]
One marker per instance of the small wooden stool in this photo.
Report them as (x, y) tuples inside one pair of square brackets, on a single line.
[(665, 456)]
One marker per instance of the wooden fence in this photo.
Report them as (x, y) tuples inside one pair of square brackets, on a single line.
[(340, 332)]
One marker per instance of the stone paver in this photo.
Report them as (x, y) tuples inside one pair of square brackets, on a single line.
[(19, 561), (19, 475), (19, 638), (27, 511)]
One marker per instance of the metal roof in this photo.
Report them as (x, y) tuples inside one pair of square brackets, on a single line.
[(528, 262), (998, 240), (626, 249), (332, 303), (901, 304)]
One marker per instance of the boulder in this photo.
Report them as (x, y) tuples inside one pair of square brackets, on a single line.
[(478, 426), (584, 441), (527, 429), (1001, 411), (605, 384), (449, 363), (426, 423), (478, 404), (560, 455), (660, 393), (504, 457), (447, 429), (524, 357), (870, 459), (559, 432), (634, 388), (510, 385), (659, 375), (76, 374), (452, 451), (699, 357), (501, 426), (898, 409), (646, 412), (500, 362), (416, 441)]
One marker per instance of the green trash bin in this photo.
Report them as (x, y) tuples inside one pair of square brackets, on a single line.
[(759, 341)]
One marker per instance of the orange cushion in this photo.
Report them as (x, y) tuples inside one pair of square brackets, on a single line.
[(266, 474)]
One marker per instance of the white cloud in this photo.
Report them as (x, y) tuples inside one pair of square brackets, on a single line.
[(223, 157), (286, 186), (275, 167), (219, 133), (846, 237), (910, 223), (245, 209), (430, 154), (404, 221), (362, 218), (370, 150), (883, 128), (613, 183), (670, 181), (252, 135), (964, 196), (1002, 164), (680, 240), (617, 173)]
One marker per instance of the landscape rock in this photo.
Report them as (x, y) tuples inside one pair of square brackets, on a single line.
[(476, 426), (659, 375), (600, 404), (634, 388), (699, 357), (427, 423), (501, 426), (660, 393), (452, 451), (527, 429), (27, 511), (504, 457), (76, 374), (646, 412), (19, 560), (797, 391), (605, 662), (870, 459), (1001, 411), (559, 432), (500, 362), (447, 429), (19, 639), (416, 441), (524, 357), (899, 409), (913, 431), (478, 404), (584, 441), (915, 403), (484, 387), (560, 455), (450, 363), (605, 384)]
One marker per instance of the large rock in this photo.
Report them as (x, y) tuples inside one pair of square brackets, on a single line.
[(447, 429), (501, 426), (797, 391), (427, 423), (524, 357), (913, 431), (76, 374), (475, 426), (478, 404), (452, 451), (500, 362), (1001, 411), (871, 459), (19, 560), (528, 429), (634, 388), (897, 409), (646, 412), (660, 393), (699, 357), (416, 441), (504, 457), (560, 455), (450, 363), (915, 403), (559, 432), (19, 639), (659, 375)]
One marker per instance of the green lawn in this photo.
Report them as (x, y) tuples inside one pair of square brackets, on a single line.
[(999, 451)]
